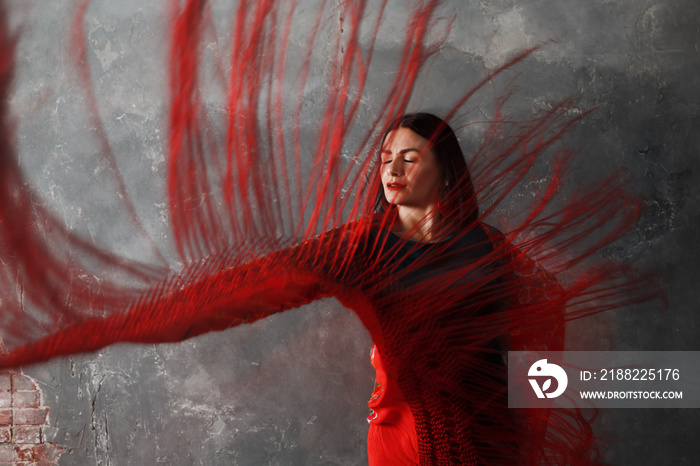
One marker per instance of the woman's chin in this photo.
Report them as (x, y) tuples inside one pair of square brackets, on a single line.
[(394, 199)]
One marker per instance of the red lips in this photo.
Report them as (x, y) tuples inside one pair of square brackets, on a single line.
[(395, 186)]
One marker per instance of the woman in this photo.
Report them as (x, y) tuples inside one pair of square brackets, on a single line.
[(456, 296), (448, 379)]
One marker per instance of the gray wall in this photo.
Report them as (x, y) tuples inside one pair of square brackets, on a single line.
[(292, 389)]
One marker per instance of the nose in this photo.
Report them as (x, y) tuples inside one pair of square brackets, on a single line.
[(394, 168)]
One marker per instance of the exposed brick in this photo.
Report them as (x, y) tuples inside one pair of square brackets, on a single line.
[(30, 416), (5, 399), (5, 381), (7, 452), (21, 435), (44, 452), (5, 417), (31, 399), (22, 423), (22, 382)]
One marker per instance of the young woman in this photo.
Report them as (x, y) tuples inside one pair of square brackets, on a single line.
[(442, 398)]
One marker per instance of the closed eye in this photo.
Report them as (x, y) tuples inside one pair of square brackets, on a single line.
[(412, 158), (410, 155)]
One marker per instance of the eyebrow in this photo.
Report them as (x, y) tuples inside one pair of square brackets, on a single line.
[(402, 151)]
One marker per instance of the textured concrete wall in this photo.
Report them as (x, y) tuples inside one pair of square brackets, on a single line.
[(292, 389)]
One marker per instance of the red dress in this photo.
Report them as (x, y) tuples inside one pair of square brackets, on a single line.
[(392, 435)]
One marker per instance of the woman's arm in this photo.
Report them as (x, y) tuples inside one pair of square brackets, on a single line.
[(215, 300)]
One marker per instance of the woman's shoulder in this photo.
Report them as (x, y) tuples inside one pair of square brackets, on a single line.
[(351, 231), (357, 231)]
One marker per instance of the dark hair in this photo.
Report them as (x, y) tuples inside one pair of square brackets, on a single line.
[(456, 199)]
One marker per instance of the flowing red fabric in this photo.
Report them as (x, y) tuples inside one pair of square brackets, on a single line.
[(265, 222)]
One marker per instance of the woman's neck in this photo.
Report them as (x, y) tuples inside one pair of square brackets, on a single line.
[(419, 224)]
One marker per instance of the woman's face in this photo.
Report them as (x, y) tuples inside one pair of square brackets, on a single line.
[(410, 173)]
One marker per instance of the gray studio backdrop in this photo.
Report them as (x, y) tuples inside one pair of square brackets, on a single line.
[(292, 389)]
